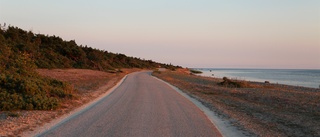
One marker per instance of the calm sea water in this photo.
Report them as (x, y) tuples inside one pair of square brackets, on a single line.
[(296, 77)]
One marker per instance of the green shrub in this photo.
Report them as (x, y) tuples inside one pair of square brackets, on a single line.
[(234, 84), (32, 93), (21, 88), (195, 71)]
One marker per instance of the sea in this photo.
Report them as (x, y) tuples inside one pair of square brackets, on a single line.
[(296, 77)]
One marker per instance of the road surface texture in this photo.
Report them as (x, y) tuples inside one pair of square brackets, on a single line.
[(141, 106)]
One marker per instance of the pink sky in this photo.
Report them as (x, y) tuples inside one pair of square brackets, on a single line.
[(204, 33)]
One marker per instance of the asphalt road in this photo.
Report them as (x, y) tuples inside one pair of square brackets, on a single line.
[(141, 106)]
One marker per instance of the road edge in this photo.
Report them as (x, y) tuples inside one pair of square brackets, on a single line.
[(223, 126), (56, 122)]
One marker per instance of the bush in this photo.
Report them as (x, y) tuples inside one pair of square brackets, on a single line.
[(21, 88), (195, 71), (32, 93), (234, 84)]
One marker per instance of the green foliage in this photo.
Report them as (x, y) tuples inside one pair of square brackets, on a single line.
[(21, 52), (53, 52), (195, 71), (20, 86), (31, 92), (234, 84)]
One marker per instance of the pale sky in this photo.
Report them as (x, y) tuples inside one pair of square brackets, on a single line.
[(190, 33)]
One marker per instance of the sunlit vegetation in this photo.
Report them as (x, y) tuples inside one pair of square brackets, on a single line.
[(22, 88), (22, 52)]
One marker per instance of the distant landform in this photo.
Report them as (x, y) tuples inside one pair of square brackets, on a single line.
[(296, 77)]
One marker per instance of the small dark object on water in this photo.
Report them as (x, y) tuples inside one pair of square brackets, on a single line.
[(267, 82), (212, 74)]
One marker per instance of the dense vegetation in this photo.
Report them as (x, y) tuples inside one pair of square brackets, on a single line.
[(53, 52), (21, 52), (21, 87)]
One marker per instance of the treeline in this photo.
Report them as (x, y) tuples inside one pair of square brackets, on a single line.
[(54, 52), (22, 52)]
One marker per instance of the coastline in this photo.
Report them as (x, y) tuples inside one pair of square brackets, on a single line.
[(294, 77), (259, 110)]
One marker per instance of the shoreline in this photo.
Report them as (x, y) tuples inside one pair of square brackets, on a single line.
[(259, 75), (259, 110)]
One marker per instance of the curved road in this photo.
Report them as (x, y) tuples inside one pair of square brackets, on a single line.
[(141, 106)]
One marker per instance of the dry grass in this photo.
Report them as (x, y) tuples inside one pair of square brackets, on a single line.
[(89, 84), (263, 109), (84, 80)]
